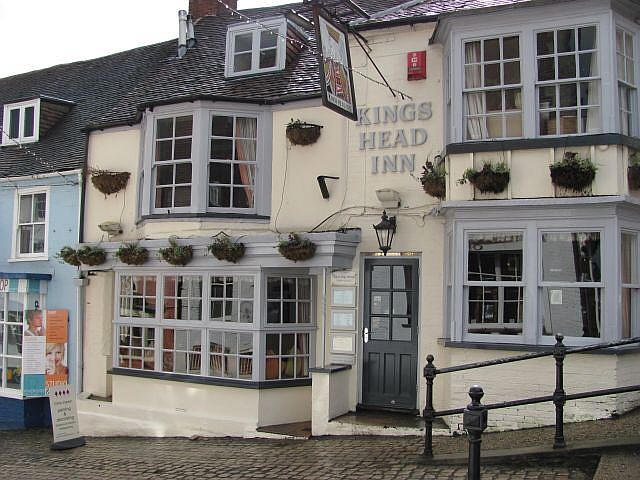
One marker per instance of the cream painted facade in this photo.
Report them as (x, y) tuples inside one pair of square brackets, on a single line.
[(157, 406)]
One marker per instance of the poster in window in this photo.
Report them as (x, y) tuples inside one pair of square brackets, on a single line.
[(334, 59), (56, 355)]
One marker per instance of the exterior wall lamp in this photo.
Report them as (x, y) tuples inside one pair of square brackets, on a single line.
[(385, 231)]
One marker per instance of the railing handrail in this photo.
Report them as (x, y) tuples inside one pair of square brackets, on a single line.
[(529, 356)]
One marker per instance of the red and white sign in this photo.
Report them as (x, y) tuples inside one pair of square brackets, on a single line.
[(417, 65)]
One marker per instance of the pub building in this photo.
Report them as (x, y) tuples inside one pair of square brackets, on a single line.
[(300, 276)]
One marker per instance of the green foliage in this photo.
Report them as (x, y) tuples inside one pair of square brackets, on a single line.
[(132, 254), (297, 248), (69, 255), (177, 255), (492, 178), (92, 256), (224, 248)]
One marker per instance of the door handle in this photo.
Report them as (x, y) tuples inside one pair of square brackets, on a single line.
[(366, 335)]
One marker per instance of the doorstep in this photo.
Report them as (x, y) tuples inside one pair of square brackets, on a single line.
[(367, 422), (301, 430)]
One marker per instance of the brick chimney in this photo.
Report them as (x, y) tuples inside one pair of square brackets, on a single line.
[(203, 8)]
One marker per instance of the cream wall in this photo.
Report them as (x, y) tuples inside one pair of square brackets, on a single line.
[(530, 176)]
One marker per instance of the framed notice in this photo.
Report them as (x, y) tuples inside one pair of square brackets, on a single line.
[(343, 320), (334, 60), (343, 296), (343, 343)]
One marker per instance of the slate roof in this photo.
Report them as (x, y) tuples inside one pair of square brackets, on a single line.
[(112, 90)]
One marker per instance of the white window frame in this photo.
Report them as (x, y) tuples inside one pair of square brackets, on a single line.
[(557, 83), (15, 246), (279, 24), (634, 287), (258, 328), (4, 304), (502, 87), (518, 22), (202, 112), (532, 329), (6, 122), (623, 83)]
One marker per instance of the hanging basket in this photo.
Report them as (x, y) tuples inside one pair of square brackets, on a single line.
[(177, 255), (92, 256), (433, 179), (69, 255), (573, 172), (491, 179), (633, 175), (223, 248), (108, 182), (297, 249), (132, 254), (303, 133)]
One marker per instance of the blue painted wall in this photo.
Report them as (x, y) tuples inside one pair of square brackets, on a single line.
[(64, 207)]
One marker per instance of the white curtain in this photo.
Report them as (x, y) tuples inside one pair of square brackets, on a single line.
[(476, 127), (247, 130)]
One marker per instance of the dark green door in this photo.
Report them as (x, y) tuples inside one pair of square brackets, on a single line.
[(390, 333)]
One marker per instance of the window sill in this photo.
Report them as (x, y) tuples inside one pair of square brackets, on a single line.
[(519, 347), (28, 259), (531, 143), (223, 382), (331, 368), (185, 217)]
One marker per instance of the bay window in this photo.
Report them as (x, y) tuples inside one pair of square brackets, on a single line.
[(206, 161), (209, 325)]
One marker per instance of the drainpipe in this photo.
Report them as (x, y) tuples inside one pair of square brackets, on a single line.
[(80, 282), (324, 316)]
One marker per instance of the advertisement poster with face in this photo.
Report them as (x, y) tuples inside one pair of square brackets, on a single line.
[(335, 66), (56, 370), (33, 353)]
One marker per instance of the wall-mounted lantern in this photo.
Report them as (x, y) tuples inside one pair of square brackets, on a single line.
[(385, 231)]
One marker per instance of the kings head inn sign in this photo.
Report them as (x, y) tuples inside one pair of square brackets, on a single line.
[(397, 132)]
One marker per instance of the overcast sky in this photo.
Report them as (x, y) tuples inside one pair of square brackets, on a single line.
[(40, 33)]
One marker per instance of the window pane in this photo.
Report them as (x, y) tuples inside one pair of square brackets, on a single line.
[(246, 150), (589, 93), (472, 52), (39, 207), (511, 47), (164, 197), (566, 41), (242, 62), (402, 277), (629, 258), (588, 64), (273, 344), (182, 149), (574, 312), (222, 149), (243, 197), (401, 329), (244, 174), (545, 43), (380, 328), (492, 74), (219, 197), (568, 95), (183, 173), (511, 73), (590, 120), (220, 173), (243, 42), (268, 58), (14, 123), (38, 238), (494, 101), (472, 77), (546, 69), (571, 257), (268, 38), (568, 121), (26, 203), (304, 288), (246, 127), (513, 99), (514, 125), (380, 303), (29, 122), (273, 288), (629, 310), (182, 197), (587, 38), (184, 126), (567, 66), (25, 233), (14, 376), (164, 175), (495, 257), (164, 128), (491, 49), (164, 150), (381, 276), (547, 97)]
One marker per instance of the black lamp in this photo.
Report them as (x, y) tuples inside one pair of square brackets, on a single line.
[(385, 231)]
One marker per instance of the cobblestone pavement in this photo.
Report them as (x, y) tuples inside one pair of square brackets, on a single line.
[(26, 455)]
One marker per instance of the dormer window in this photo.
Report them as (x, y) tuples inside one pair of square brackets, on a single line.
[(20, 122), (256, 48)]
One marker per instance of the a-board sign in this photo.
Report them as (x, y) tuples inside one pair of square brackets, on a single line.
[(64, 416)]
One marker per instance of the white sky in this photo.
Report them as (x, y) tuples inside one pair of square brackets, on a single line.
[(40, 33)]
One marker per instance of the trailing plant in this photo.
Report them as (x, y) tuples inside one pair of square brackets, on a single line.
[(633, 173), (178, 255), (69, 255), (224, 248), (492, 178), (92, 256), (109, 182), (132, 254), (297, 248), (434, 177), (573, 172), (303, 133)]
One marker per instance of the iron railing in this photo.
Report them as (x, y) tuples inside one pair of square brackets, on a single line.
[(559, 397)]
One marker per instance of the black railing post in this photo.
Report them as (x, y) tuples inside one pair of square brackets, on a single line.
[(474, 420), (428, 413), (559, 399)]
